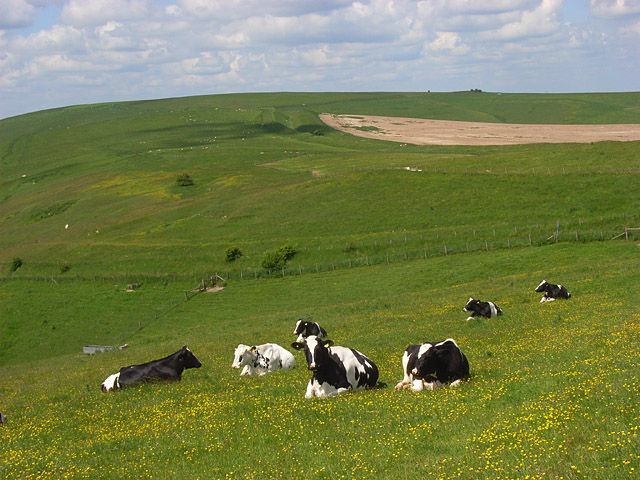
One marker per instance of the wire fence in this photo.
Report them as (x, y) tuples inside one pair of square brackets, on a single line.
[(372, 252)]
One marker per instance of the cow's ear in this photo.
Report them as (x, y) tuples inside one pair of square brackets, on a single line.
[(297, 345), (328, 343), (253, 348)]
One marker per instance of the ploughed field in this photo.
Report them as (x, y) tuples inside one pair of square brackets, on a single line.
[(385, 257)]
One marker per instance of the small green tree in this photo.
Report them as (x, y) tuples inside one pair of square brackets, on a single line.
[(273, 261), (184, 180), (232, 254), (16, 263), (287, 251)]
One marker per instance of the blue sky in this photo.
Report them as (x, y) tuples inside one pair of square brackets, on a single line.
[(66, 52)]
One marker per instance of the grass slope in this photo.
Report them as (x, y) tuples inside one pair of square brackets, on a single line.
[(533, 406), (553, 391)]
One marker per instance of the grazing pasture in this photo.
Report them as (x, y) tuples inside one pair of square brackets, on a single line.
[(91, 207)]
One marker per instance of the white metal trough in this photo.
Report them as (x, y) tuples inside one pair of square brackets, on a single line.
[(91, 349)]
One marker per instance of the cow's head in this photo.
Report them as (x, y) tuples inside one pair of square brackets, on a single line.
[(315, 349), (188, 358), (434, 358), (301, 326), (244, 355), (542, 287), (471, 305)]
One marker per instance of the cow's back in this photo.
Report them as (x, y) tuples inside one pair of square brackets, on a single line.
[(360, 370)]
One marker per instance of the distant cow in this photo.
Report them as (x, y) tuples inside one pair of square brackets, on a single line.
[(335, 369), (304, 329), (261, 359), (482, 309), (433, 365), (551, 291), (167, 368)]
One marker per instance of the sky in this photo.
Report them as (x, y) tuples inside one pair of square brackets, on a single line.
[(56, 53)]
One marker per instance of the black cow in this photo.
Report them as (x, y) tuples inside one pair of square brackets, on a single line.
[(335, 369), (482, 309), (167, 368), (304, 329), (552, 291), (433, 365)]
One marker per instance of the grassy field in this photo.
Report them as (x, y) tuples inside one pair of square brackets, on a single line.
[(385, 257)]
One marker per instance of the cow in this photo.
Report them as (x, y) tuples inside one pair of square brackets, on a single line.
[(262, 359), (551, 291), (433, 365), (335, 369), (304, 329), (482, 309), (167, 368)]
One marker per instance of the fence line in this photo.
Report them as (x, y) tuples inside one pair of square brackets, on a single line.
[(445, 246)]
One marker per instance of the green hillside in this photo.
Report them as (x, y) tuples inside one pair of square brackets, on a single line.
[(384, 257)]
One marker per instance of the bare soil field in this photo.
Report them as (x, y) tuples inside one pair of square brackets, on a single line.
[(445, 132)]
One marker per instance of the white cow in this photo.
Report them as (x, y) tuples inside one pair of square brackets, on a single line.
[(262, 359)]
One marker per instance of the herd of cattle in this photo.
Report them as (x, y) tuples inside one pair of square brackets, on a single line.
[(334, 369)]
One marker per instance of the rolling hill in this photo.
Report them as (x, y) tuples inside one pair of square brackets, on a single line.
[(385, 256)]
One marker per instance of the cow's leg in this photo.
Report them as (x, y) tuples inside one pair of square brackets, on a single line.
[(246, 371), (310, 393), (470, 318), (456, 383), (406, 381), (418, 385)]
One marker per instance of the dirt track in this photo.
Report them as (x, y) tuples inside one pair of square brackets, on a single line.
[(444, 132)]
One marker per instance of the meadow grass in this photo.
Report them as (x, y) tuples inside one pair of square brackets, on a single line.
[(552, 393), (89, 203)]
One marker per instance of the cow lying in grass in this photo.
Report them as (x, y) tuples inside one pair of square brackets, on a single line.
[(262, 359), (433, 365), (481, 309), (167, 368), (552, 291), (335, 369)]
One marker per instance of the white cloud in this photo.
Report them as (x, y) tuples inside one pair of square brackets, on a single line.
[(96, 50), (615, 8), (449, 41), (15, 14), (97, 12)]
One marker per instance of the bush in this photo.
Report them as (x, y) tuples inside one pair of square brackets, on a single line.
[(273, 261), (184, 180), (278, 259), (287, 251), (16, 263), (232, 254)]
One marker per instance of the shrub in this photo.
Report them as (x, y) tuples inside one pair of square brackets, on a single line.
[(273, 261), (287, 251), (16, 263), (184, 180), (232, 254)]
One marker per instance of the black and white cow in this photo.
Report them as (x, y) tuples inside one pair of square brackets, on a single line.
[(262, 359), (482, 309), (335, 369), (304, 329), (433, 365), (167, 368), (552, 291)]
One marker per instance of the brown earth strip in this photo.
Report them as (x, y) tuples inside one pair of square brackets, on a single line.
[(446, 132)]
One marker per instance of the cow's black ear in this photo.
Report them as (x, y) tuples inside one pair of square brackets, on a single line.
[(328, 343), (297, 345), (253, 348)]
